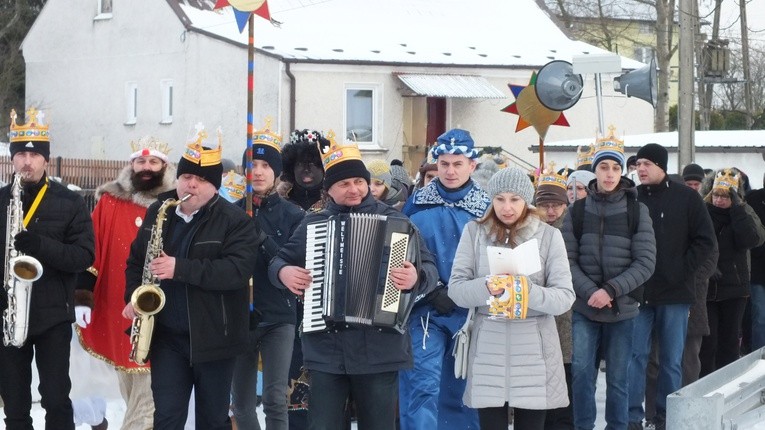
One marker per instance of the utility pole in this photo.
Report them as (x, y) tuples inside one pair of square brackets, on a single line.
[(685, 117), (708, 93), (745, 60), (700, 38)]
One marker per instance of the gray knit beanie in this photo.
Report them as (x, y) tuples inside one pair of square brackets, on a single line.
[(511, 180)]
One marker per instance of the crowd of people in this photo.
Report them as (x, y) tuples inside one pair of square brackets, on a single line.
[(655, 279)]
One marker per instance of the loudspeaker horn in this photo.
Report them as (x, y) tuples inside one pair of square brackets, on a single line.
[(557, 87), (640, 83)]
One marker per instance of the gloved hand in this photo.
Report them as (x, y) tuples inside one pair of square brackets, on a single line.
[(27, 242), (734, 197), (82, 315), (441, 301)]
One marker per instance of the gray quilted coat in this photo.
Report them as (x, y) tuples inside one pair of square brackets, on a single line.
[(514, 361)]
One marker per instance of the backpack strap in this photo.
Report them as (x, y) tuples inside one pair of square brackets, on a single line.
[(577, 218), (633, 215)]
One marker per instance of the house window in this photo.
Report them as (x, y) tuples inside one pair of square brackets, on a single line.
[(643, 54), (646, 28), (104, 9), (131, 103), (166, 89), (362, 112)]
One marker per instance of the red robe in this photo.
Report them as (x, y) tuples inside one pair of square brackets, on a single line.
[(115, 222)]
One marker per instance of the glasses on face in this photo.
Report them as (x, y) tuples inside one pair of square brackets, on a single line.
[(721, 196), (548, 206)]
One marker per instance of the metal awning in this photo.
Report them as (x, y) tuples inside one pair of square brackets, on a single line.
[(450, 86)]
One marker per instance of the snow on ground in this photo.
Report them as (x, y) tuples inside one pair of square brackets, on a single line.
[(92, 377)]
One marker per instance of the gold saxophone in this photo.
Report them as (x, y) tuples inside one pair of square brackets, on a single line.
[(20, 272), (149, 299)]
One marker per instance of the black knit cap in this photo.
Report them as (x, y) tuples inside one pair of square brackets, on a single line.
[(693, 172), (655, 153), (345, 170), (42, 148), (212, 173)]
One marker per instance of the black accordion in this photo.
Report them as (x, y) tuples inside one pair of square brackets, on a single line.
[(350, 257)]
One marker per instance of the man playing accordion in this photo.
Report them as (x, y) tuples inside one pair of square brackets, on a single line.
[(352, 359)]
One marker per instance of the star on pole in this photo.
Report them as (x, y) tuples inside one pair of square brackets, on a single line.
[(244, 8), (530, 110)]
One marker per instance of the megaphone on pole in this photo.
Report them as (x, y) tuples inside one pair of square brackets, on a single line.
[(557, 87), (640, 83)]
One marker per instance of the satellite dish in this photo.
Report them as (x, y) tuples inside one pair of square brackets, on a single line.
[(640, 83), (557, 87)]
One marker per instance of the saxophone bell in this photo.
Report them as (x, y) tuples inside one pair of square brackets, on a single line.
[(26, 268), (148, 300)]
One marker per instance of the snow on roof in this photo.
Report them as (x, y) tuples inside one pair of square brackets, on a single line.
[(703, 139), (497, 33)]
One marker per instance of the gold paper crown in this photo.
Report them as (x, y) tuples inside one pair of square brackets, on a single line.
[(335, 153), (33, 130), (196, 153), (149, 145), (234, 183), (610, 142), (584, 157), (550, 177), (725, 179), (267, 137)]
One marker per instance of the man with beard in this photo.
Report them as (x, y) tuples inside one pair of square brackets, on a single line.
[(117, 217), (303, 173)]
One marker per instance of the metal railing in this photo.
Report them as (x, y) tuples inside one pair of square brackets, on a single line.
[(731, 398)]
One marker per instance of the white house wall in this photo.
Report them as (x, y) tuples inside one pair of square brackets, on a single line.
[(77, 69)]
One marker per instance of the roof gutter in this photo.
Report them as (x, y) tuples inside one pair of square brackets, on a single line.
[(291, 77)]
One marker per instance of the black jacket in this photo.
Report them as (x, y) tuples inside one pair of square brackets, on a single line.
[(279, 219), (756, 199), (684, 239), (67, 247), (220, 259), (353, 350), (738, 229)]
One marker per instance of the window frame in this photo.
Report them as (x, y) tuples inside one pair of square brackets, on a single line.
[(166, 87), (131, 102), (101, 14), (377, 117)]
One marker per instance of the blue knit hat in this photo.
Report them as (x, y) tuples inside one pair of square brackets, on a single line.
[(455, 141)]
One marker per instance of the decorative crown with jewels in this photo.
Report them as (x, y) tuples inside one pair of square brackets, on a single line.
[(610, 142), (725, 179), (550, 177), (196, 153), (33, 130), (335, 153), (267, 137), (584, 155)]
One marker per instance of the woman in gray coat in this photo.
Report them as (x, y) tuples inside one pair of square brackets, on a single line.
[(514, 359)]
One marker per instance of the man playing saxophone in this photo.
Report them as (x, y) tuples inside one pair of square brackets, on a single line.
[(57, 231), (203, 267)]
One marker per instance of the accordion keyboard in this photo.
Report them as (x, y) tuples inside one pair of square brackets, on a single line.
[(314, 257)]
